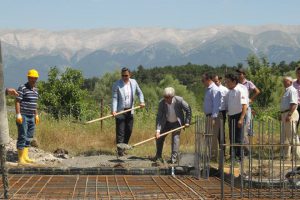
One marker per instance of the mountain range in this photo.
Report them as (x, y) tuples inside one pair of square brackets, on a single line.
[(97, 51)]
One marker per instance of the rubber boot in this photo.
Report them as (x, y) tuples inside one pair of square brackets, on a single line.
[(26, 157), (21, 159)]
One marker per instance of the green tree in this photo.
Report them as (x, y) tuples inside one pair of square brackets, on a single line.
[(62, 95), (262, 76)]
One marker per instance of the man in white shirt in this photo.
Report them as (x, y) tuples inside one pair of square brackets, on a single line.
[(173, 112), (236, 103), (289, 117)]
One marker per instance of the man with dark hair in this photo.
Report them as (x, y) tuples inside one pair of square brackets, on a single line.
[(236, 103), (123, 96), (254, 91), (211, 107)]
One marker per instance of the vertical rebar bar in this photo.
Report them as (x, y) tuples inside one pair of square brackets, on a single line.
[(221, 161), (101, 113)]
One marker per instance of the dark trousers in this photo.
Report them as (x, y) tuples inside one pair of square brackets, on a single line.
[(223, 117), (298, 109), (175, 140), (235, 135), (124, 124)]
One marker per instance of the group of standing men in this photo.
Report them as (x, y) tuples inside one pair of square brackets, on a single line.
[(233, 100)]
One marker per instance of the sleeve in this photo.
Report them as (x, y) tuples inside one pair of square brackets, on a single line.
[(251, 85), (159, 116), (21, 93), (139, 93), (188, 111), (294, 97), (114, 101), (216, 103), (243, 97), (226, 97)]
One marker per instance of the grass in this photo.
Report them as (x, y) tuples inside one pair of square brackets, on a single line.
[(90, 139)]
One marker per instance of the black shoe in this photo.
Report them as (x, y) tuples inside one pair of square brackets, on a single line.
[(158, 159)]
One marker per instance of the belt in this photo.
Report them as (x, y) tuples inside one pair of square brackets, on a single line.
[(127, 108), (208, 115), (285, 111)]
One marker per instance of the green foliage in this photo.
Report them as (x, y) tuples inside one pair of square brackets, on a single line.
[(62, 95), (104, 85), (261, 74)]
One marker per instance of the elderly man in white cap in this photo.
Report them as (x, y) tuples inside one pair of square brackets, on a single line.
[(289, 117)]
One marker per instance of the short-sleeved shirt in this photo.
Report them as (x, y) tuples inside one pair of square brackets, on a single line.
[(249, 85), (289, 97), (297, 87), (223, 90), (236, 98), (28, 98)]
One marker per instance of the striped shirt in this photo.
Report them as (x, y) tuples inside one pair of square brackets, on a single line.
[(28, 98)]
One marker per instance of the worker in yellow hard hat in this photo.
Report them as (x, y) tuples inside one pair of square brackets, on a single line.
[(26, 115)]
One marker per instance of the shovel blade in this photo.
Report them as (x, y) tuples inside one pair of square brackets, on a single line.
[(124, 146)]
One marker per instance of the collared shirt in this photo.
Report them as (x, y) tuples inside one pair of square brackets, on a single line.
[(28, 98), (171, 114), (249, 85), (297, 87), (212, 100), (128, 95), (289, 97), (235, 99), (224, 90)]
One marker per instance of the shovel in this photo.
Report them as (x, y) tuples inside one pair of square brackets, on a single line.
[(108, 116), (124, 146)]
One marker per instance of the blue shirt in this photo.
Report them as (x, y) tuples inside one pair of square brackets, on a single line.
[(212, 100)]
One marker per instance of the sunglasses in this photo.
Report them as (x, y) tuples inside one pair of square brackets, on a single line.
[(125, 75)]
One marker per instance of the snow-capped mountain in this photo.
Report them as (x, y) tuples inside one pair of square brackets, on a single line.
[(98, 51)]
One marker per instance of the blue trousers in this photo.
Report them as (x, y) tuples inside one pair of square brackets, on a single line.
[(25, 131)]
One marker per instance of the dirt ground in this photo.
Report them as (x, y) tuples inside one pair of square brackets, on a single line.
[(62, 160)]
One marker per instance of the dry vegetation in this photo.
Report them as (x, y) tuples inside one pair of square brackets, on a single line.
[(90, 139)]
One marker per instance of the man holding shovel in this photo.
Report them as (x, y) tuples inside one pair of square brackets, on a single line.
[(170, 115), (123, 93)]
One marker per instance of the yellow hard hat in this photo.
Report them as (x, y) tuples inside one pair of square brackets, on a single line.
[(33, 73)]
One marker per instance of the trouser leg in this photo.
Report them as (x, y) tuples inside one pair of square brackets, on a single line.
[(30, 130), (159, 146), (128, 127), (22, 132), (175, 146)]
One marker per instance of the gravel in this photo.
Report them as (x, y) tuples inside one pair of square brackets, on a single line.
[(63, 160)]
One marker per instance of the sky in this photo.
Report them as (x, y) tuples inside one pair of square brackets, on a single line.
[(183, 14)]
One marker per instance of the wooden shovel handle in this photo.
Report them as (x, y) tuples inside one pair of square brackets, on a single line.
[(166, 133), (108, 116)]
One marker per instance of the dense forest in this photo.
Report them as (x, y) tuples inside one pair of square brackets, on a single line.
[(67, 93)]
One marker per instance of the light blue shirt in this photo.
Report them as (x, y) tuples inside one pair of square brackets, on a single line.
[(289, 97), (212, 100)]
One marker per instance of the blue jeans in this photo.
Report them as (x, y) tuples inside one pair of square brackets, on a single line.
[(25, 131)]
